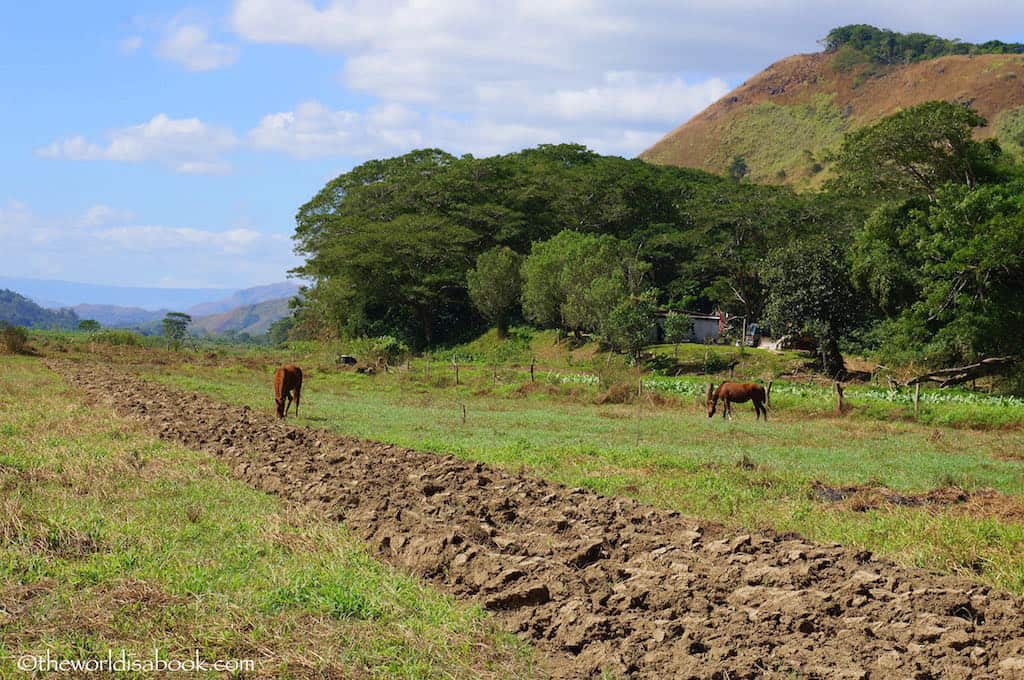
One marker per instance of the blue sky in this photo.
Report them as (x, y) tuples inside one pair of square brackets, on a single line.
[(166, 143)]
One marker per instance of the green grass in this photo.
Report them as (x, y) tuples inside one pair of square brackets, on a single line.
[(764, 135), (683, 460), (111, 539)]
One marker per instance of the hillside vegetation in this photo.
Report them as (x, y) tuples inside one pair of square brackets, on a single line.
[(863, 75), (18, 310)]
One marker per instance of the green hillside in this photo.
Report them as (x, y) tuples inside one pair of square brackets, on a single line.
[(786, 123), (18, 310)]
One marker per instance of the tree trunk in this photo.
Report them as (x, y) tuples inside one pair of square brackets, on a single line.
[(831, 358), (427, 321)]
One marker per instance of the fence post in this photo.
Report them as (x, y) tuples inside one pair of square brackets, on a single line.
[(917, 398), (533, 361), (455, 364), (463, 414)]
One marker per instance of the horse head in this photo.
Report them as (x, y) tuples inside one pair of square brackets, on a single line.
[(711, 399)]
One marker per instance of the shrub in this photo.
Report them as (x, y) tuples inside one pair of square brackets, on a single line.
[(14, 339), (388, 350), (117, 337)]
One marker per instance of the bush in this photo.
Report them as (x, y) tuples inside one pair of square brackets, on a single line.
[(14, 339), (116, 337), (388, 350)]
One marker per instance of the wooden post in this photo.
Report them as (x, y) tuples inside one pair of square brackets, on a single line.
[(533, 361), (768, 394), (917, 398), (455, 365), (840, 406), (463, 414)]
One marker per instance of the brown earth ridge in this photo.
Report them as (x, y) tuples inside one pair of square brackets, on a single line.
[(596, 583), (785, 120)]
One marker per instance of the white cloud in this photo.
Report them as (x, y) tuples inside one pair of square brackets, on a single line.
[(312, 130), (614, 72), (131, 44), (106, 244), (186, 145), (190, 46)]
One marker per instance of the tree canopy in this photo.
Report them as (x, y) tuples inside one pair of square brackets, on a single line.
[(916, 151), (889, 47), (389, 244)]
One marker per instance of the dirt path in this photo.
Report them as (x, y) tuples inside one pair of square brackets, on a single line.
[(602, 583)]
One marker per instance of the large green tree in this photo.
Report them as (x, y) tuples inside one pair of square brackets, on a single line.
[(574, 280), (948, 274), (810, 292), (916, 151), (495, 285)]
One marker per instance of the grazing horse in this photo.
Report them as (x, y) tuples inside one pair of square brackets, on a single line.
[(287, 383), (732, 392)]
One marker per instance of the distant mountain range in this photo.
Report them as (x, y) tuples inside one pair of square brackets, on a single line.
[(56, 294), (213, 310), (252, 319)]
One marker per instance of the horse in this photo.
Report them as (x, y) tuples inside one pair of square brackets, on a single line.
[(287, 383), (739, 393)]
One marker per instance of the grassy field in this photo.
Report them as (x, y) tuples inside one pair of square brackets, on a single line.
[(742, 473), (111, 539)]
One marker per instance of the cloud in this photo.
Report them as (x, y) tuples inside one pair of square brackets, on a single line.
[(185, 145), (107, 245), (612, 72), (189, 45), (131, 44), (312, 130)]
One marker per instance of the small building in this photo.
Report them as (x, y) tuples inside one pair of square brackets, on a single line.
[(706, 327)]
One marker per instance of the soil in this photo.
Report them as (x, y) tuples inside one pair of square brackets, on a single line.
[(601, 584), (978, 503)]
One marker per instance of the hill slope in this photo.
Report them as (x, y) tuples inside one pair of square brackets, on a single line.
[(18, 310), (252, 319), (787, 119)]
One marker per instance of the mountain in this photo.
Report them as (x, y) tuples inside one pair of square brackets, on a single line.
[(69, 293), (785, 121), (18, 310), (252, 319), (246, 297), (117, 316)]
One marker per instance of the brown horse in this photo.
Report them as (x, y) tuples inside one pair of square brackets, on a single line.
[(287, 382), (739, 393)]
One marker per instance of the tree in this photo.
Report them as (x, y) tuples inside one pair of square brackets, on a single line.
[(404, 274), (810, 292), (496, 284), (175, 327), (914, 151), (89, 325), (947, 274), (278, 332), (574, 280), (738, 168), (678, 328), (631, 323)]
